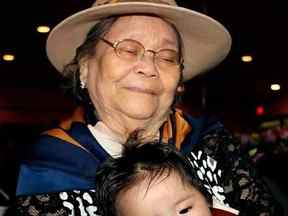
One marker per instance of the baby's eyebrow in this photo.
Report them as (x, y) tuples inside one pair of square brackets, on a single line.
[(189, 196)]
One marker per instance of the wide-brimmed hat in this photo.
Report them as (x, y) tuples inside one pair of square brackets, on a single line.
[(206, 42)]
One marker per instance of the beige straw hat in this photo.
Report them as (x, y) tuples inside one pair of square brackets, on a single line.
[(206, 41)]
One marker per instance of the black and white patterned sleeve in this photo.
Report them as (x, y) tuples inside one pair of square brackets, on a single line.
[(239, 184), (70, 203)]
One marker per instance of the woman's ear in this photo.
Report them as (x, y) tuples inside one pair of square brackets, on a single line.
[(180, 89), (83, 70)]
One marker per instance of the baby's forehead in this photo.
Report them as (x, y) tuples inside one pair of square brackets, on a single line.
[(147, 180), (151, 192)]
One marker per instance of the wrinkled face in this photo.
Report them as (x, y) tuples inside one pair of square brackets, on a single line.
[(168, 197), (137, 90)]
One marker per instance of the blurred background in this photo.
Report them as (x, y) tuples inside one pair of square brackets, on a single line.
[(248, 91)]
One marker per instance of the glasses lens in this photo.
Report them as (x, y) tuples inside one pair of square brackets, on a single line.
[(132, 50), (168, 56), (167, 59), (129, 49)]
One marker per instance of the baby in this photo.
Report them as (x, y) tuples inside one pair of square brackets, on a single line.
[(151, 180)]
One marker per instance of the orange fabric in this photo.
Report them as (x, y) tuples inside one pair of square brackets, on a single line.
[(167, 131), (77, 116), (182, 129), (61, 134)]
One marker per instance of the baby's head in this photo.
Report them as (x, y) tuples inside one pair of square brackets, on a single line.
[(150, 179)]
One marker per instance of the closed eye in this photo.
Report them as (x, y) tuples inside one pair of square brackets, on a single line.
[(168, 60), (130, 51), (185, 210)]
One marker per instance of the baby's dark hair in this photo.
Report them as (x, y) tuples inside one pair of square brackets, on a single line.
[(138, 162)]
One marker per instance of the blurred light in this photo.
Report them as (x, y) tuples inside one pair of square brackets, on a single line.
[(247, 58), (253, 151), (275, 87), (260, 110), (43, 29), (8, 57)]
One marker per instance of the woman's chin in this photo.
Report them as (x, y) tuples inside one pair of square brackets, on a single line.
[(139, 108), (139, 112)]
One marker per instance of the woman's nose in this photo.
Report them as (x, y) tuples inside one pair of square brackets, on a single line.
[(148, 66)]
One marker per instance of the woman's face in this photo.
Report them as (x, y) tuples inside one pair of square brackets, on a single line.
[(136, 90), (164, 196)]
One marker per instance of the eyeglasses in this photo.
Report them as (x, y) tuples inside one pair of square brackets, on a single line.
[(132, 51)]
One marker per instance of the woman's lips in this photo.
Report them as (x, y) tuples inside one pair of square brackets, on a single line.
[(141, 90)]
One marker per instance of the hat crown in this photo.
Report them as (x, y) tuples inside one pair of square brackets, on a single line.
[(206, 41), (105, 2)]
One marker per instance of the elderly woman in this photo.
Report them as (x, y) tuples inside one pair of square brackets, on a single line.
[(125, 62)]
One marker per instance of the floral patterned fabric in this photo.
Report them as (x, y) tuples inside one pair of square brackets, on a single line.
[(70, 203), (243, 188)]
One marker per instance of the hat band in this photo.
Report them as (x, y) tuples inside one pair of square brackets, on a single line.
[(104, 2)]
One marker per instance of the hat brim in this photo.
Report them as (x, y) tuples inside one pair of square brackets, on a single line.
[(206, 42)]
